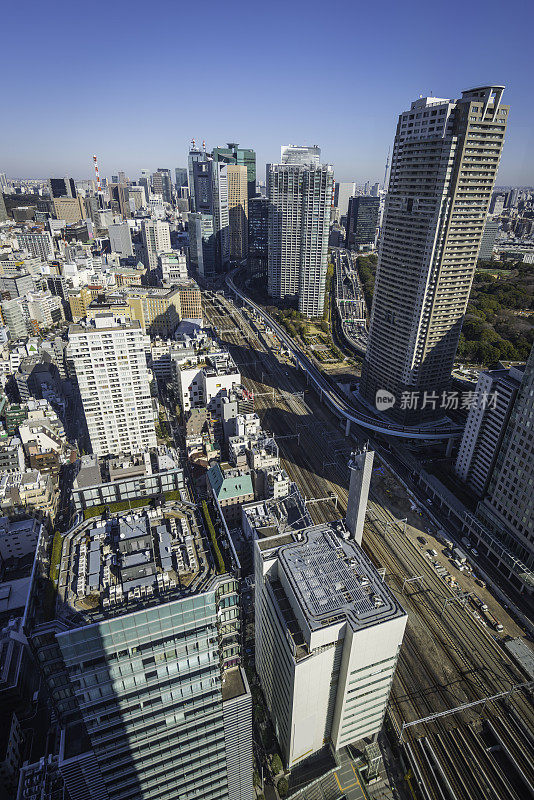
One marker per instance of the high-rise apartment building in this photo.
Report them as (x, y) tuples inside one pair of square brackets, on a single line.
[(508, 506), (362, 222), (300, 198), (487, 243), (114, 384), (485, 426), (300, 154), (328, 635), (144, 674), (39, 244), (233, 154), (120, 239), (237, 211), (342, 193), (156, 239), (445, 158)]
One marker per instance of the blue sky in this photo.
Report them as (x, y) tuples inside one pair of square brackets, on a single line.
[(133, 81)]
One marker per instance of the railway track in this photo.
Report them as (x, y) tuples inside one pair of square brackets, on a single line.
[(445, 661)]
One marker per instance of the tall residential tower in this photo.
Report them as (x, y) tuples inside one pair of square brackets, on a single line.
[(300, 201), (445, 158)]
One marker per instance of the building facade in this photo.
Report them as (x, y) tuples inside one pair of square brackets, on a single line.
[(237, 211), (300, 198), (445, 159), (113, 380), (362, 222)]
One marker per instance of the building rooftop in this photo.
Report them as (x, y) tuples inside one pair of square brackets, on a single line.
[(119, 565), (331, 579), (229, 484), (233, 683)]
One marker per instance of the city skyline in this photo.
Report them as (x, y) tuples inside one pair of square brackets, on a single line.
[(353, 122)]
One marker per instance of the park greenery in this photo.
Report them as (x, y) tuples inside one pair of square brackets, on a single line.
[(366, 267), (213, 539)]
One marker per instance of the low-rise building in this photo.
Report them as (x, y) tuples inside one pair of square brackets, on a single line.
[(18, 538), (105, 481), (230, 488), (207, 382), (11, 454)]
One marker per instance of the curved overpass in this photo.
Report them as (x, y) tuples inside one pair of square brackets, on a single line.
[(332, 396)]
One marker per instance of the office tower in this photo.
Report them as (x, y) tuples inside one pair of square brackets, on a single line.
[(114, 384), (122, 178), (119, 197), (362, 222), (258, 227), (202, 246), (445, 158), (233, 154), (488, 416), (3, 182), (136, 197), (210, 193), (375, 190), (367, 188), (497, 204), (3, 209), (328, 632), (237, 211), (194, 156), (156, 239), (69, 209), (144, 181), (487, 242), (297, 154), (300, 198), (40, 245), (361, 468), (162, 184), (17, 285), (512, 198), (342, 193), (62, 187), (508, 507), (15, 318), (120, 239), (180, 175), (144, 673)]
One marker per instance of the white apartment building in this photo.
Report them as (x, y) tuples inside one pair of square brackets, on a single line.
[(207, 382), (113, 379), (156, 239)]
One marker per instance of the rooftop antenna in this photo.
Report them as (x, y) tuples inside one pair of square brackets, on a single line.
[(386, 171), (192, 144), (204, 145)]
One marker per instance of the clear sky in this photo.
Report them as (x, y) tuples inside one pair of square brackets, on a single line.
[(134, 81)]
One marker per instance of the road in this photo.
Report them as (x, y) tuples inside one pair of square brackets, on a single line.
[(444, 662)]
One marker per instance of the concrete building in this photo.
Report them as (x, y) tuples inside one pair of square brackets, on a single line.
[(342, 193), (147, 684), (485, 427), (18, 538), (14, 317), (62, 187), (487, 243), (39, 243), (237, 211), (300, 197), (362, 222), (242, 156), (147, 474), (120, 239), (508, 506), (230, 488), (300, 154), (17, 285), (433, 223), (70, 209), (113, 380), (162, 184), (11, 454), (173, 266), (156, 239), (207, 381), (328, 635)]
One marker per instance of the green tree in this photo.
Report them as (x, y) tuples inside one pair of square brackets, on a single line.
[(276, 764), (282, 787)]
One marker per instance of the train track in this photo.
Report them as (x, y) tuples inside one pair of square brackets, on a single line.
[(444, 662)]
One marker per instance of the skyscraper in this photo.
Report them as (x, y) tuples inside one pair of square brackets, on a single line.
[(145, 679), (180, 174), (362, 220), (210, 195), (120, 239), (233, 154), (258, 230), (342, 193), (300, 154), (487, 242), (62, 187), (445, 159), (508, 507), (237, 210), (300, 198), (328, 635), (156, 239), (162, 184), (113, 380), (195, 155)]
